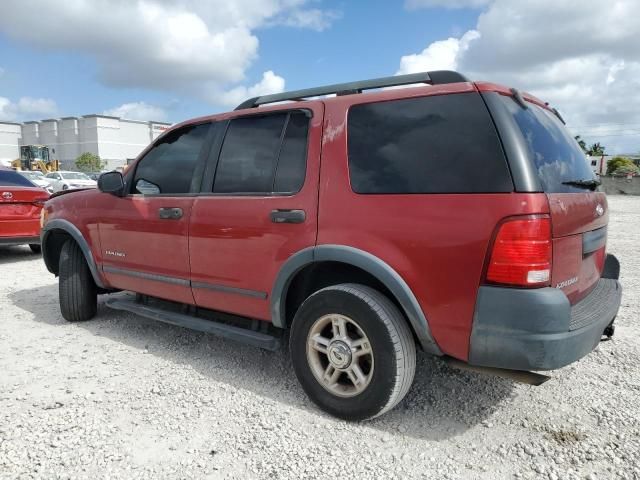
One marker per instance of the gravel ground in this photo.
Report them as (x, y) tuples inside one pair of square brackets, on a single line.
[(123, 397)]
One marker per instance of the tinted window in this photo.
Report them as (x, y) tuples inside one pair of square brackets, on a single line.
[(169, 165), (257, 158), (556, 155), (9, 178), (292, 162), (438, 144)]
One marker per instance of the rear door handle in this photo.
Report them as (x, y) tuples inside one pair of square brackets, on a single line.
[(288, 216), (170, 213)]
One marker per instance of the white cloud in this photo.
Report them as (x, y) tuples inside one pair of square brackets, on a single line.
[(313, 18), (581, 56), (186, 46), (270, 83), (138, 111), (415, 4), (26, 108), (1, 71), (440, 55)]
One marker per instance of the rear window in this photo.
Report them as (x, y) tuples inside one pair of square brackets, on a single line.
[(13, 179), (555, 154), (436, 144)]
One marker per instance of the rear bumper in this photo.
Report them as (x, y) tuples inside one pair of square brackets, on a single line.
[(538, 329), (19, 240)]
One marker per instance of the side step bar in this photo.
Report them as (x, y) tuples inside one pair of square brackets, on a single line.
[(243, 335)]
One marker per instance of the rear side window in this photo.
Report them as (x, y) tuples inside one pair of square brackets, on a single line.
[(168, 167), (437, 144), (555, 154), (13, 179), (263, 154)]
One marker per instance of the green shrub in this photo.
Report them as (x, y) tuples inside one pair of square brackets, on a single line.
[(618, 165), (89, 162)]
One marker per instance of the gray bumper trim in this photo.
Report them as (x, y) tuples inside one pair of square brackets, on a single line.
[(530, 329)]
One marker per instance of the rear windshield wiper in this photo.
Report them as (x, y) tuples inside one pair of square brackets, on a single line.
[(590, 184)]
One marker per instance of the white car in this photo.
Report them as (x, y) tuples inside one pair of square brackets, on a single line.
[(38, 178), (70, 180)]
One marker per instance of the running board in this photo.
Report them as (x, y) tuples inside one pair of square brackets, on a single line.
[(521, 376), (243, 335)]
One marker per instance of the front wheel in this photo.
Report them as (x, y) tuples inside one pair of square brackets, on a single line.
[(78, 292), (352, 351)]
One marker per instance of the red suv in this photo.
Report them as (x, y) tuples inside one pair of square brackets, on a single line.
[(456, 217)]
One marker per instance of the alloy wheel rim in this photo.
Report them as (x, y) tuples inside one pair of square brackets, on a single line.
[(340, 355)]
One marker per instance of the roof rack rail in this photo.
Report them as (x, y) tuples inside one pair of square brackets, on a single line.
[(438, 77)]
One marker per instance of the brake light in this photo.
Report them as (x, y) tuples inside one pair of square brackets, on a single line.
[(521, 254)]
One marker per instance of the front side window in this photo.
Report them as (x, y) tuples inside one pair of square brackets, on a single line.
[(263, 154), (435, 144), (168, 167)]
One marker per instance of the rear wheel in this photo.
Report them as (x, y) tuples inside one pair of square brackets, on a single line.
[(35, 248), (352, 351), (78, 291)]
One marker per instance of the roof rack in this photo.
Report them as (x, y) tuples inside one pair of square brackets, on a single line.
[(438, 77)]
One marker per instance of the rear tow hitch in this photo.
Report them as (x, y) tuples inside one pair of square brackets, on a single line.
[(608, 332)]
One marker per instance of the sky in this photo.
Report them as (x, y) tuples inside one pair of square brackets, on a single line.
[(170, 60)]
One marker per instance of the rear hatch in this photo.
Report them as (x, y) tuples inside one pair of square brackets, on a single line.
[(579, 212)]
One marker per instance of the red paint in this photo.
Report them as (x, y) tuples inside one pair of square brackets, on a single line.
[(239, 246), (20, 211), (573, 214)]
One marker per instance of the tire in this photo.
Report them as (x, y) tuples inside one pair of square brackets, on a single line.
[(374, 321), (78, 292), (35, 247), (65, 187)]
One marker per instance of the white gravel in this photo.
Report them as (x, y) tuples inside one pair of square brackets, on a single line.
[(124, 397)]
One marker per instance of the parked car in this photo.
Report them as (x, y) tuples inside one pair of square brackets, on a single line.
[(63, 180), (459, 217), (38, 178), (21, 202)]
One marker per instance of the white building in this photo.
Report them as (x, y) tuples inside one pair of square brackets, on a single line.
[(114, 139)]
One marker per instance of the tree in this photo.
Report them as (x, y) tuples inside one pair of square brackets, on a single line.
[(89, 162), (621, 166), (582, 143), (596, 150)]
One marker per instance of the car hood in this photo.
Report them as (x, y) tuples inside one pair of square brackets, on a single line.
[(67, 192)]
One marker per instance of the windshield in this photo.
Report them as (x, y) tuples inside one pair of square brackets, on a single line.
[(13, 179), (556, 155), (75, 176)]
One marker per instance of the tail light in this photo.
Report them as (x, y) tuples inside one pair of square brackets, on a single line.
[(521, 254)]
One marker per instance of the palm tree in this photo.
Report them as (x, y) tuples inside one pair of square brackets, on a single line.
[(596, 150), (581, 142)]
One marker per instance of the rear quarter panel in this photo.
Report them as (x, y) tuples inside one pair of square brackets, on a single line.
[(436, 242)]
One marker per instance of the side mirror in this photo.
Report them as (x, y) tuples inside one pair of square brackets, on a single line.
[(111, 182)]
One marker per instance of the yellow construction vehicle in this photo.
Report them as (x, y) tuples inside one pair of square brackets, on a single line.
[(36, 157)]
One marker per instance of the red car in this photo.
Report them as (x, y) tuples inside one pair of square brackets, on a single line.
[(459, 217), (20, 205)]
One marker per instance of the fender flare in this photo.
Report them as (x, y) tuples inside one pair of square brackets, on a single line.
[(365, 261), (71, 230)]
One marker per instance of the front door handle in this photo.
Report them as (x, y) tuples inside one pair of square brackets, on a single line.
[(288, 216), (170, 213)]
